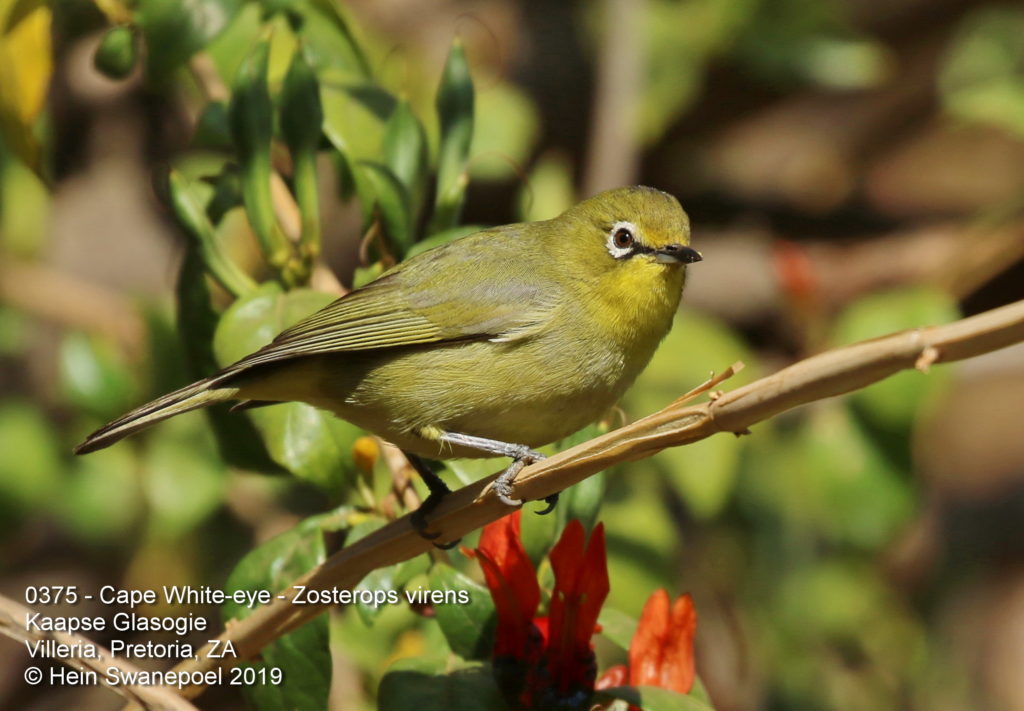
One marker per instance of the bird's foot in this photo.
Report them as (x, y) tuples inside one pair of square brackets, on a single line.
[(522, 456), (438, 490), (419, 519)]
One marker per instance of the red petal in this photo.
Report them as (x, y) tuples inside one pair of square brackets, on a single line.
[(581, 586), (661, 653), (502, 543), (678, 671), (514, 622), (646, 648)]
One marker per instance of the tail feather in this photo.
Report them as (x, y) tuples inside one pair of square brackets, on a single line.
[(190, 397)]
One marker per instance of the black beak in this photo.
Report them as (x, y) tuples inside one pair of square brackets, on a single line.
[(678, 253)]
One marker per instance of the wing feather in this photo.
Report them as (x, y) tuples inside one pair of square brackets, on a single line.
[(446, 294)]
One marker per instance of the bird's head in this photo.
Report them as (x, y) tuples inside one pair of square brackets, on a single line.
[(636, 231)]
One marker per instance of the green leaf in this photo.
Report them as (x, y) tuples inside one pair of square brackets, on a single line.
[(980, 79), (379, 579), (390, 201), (212, 130), (455, 100), (642, 538), (405, 153), (102, 501), (303, 655), (469, 627), (117, 53), (472, 688), (617, 626), (190, 209), (13, 331), (30, 468), (311, 443), (354, 117), (94, 376), (175, 30), (238, 441), (302, 118), (704, 473), (652, 698), (549, 190), (332, 48), (504, 133), (183, 483), (251, 118)]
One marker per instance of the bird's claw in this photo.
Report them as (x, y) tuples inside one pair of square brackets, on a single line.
[(419, 519), (552, 502), (503, 484)]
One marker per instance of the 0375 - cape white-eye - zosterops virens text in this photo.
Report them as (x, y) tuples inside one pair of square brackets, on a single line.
[(490, 345)]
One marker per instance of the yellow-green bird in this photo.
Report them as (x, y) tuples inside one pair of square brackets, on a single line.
[(491, 345)]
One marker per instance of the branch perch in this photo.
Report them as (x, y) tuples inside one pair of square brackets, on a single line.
[(827, 374), (155, 698)]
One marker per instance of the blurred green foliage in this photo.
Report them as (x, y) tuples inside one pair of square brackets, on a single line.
[(789, 522)]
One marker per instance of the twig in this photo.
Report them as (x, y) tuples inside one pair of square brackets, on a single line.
[(824, 375), (54, 295), (158, 698)]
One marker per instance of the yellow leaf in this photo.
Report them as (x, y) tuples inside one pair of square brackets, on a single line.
[(26, 64)]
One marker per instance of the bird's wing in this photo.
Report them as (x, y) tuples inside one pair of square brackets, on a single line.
[(473, 288)]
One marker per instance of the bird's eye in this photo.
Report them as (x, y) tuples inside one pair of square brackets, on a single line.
[(623, 238)]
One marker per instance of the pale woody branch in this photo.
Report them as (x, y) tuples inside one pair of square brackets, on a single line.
[(831, 373), (13, 618)]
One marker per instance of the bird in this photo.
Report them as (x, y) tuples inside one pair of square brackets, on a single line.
[(494, 344)]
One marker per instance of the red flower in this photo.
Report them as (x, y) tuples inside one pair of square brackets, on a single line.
[(545, 662), (513, 584), (661, 652)]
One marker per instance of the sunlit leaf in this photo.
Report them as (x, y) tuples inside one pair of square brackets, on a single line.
[(405, 153), (310, 443), (30, 468), (237, 440), (455, 110), (174, 30), (505, 131), (94, 376), (26, 58), (102, 501), (981, 78), (703, 472), (549, 191), (469, 627), (304, 654), (118, 52), (617, 626), (183, 482)]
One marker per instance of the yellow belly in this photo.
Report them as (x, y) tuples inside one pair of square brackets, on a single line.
[(531, 391), (519, 392)]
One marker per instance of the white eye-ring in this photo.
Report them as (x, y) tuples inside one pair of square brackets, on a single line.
[(622, 240)]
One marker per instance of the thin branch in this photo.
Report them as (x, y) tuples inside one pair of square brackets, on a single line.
[(51, 294), (156, 698), (827, 374)]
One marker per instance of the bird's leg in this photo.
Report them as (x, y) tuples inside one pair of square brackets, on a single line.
[(438, 490), (521, 456)]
